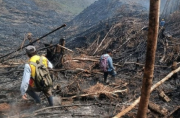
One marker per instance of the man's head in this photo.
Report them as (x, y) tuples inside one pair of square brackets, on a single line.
[(162, 19), (30, 51), (61, 41), (109, 51)]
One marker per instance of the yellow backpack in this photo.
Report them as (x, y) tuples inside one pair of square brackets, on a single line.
[(42, 78)]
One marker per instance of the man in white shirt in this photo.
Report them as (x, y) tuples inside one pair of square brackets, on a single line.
[(28, 84)]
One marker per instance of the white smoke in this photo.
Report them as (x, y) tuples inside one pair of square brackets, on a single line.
[(167, 7)]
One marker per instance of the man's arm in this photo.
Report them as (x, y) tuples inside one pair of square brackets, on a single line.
[(50, 64), (25, 80), (110, 62)]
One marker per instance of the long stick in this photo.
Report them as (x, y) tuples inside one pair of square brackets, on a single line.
[(23, 41), (55, 45), (65, 48), (95, 60), (34, 40), (40, 50), (150, 58), (152, 88), (102, 40)]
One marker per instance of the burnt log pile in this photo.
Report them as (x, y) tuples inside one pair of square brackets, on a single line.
[(78, 87)]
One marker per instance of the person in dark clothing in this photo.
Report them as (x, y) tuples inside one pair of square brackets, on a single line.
[(59, 53), (50, 51)]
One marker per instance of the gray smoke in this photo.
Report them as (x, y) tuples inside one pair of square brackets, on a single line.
[(167, 6)]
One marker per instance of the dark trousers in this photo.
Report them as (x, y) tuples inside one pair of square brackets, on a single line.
[(112, 73), (58, 60), (48, 93)]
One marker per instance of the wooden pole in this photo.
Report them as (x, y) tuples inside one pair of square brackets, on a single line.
[(34, 41), (150, 58), (65, 48), (102, 40), (56, 45)]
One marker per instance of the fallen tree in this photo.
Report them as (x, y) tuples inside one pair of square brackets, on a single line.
[(157, 108)]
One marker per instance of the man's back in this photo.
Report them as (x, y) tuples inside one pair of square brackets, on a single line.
[(162, 23), (109, 62), (110, 68)]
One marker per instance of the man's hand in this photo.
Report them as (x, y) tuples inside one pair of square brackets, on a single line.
[(24, 97)]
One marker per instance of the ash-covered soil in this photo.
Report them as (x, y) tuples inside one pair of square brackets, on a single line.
[(78, 88)]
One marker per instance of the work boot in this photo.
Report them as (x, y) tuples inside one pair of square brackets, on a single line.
[(113, 80), (50, 100), (106, 81)]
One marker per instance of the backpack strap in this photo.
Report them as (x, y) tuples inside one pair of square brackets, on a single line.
[(41, 60), (33, 63), (105, 56)]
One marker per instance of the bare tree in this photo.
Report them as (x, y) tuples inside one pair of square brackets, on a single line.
[(150, 57)]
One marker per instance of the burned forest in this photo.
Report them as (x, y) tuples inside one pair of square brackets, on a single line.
[(74, 41)]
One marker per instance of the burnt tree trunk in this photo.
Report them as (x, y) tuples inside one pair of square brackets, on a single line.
[(150, 58)]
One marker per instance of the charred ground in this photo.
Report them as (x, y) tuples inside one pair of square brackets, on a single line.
[(78, 87)]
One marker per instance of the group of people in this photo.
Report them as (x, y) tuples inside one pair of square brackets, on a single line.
[(29, 84), (29, 80)]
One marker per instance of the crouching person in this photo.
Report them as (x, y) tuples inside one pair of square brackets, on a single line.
[(106, 65), (36, 77)]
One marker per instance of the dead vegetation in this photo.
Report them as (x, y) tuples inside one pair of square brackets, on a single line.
[(79, 87)]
